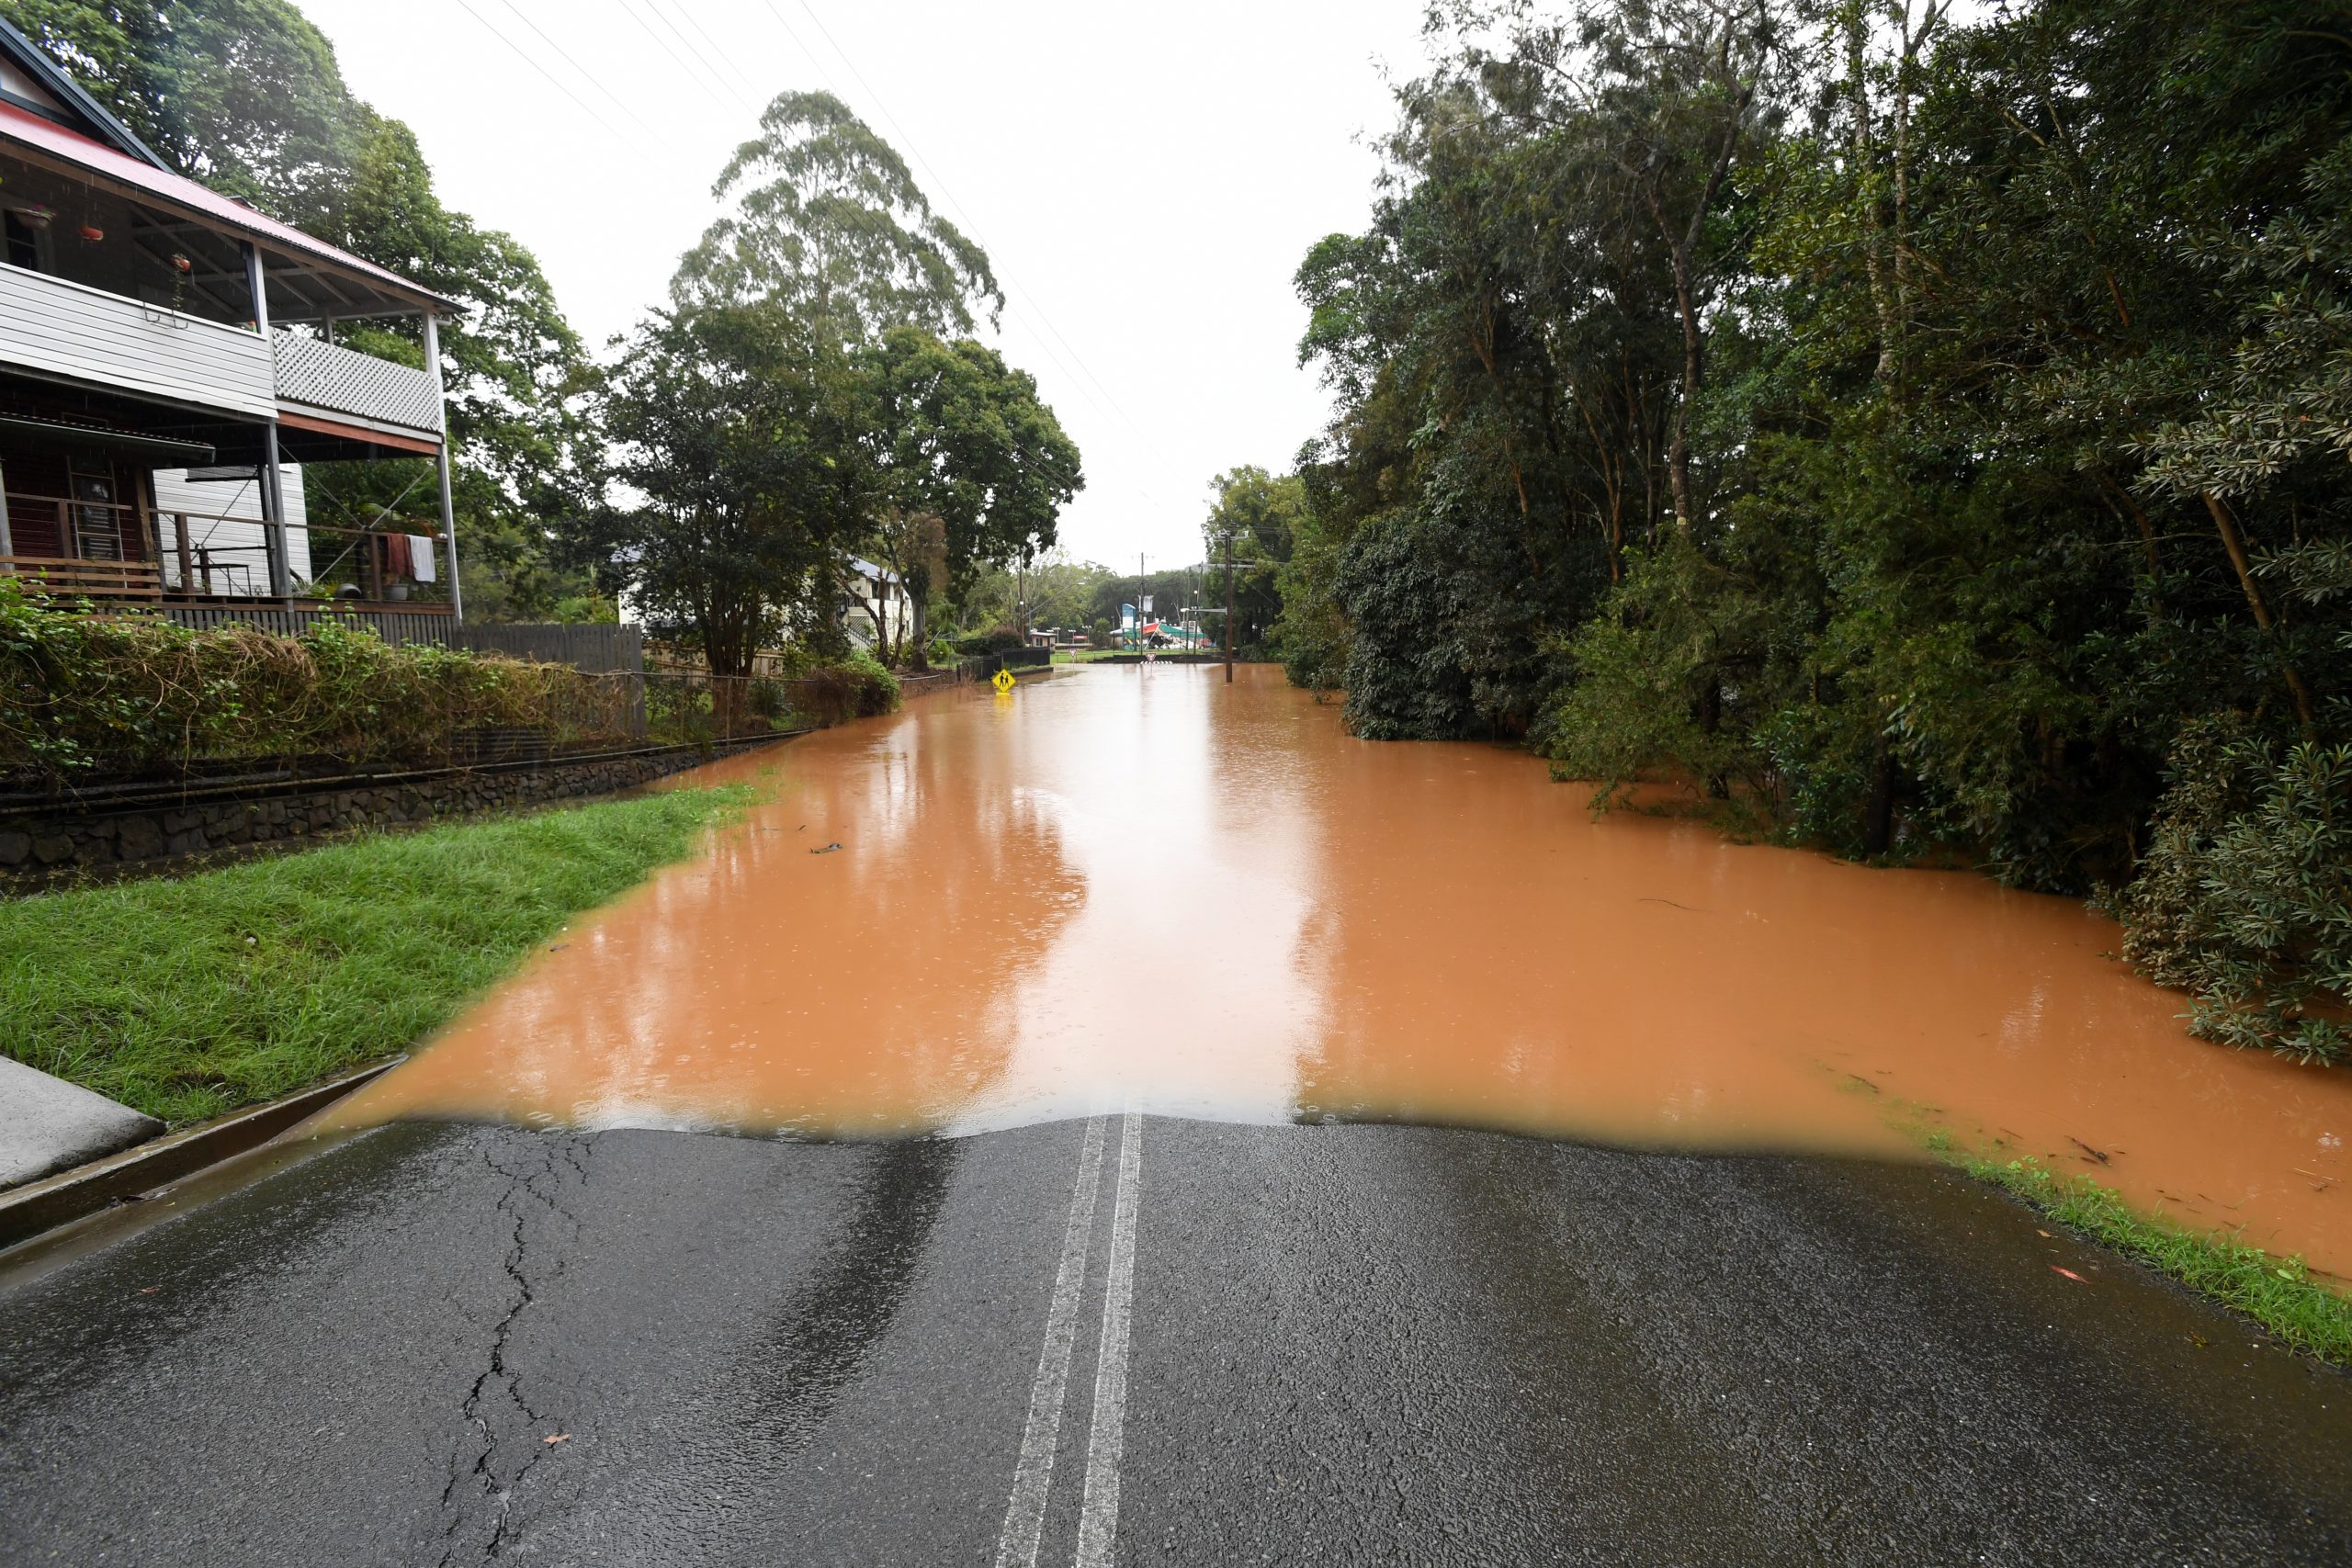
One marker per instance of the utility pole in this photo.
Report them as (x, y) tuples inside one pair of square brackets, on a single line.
[(1142, 582), (1229, 607)]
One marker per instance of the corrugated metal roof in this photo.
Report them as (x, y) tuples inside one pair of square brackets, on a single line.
[(143, 179), (34, 61)]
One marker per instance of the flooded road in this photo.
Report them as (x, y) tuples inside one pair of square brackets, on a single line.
[(1142, 889)]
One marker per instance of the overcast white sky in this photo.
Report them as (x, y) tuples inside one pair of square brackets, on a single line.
[(1145, 178)]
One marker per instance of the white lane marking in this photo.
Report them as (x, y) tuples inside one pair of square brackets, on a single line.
[(1025, 1516), (1098, 1516)]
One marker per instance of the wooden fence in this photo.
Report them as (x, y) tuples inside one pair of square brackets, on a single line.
[(599, 649)]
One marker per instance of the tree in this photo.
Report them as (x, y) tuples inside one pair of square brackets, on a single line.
[(737, 433), (1673, 88), (1506, 346), (1058, 590), (827, 219), (515, 370), (962, 439), (1254, 520), (242, 95)]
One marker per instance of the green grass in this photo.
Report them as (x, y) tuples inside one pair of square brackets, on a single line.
[(192, 997), (2277, 1294)]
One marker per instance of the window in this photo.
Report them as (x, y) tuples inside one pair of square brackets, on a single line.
[(24, 248)]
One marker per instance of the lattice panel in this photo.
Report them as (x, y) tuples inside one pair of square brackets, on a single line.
[(324, 376)]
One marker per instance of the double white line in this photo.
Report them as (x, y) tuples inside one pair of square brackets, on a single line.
[(1098, 1514)]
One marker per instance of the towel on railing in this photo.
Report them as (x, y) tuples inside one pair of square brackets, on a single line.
[(395, 555), (420, 557)]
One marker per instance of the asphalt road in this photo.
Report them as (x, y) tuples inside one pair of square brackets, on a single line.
[(1134, 1341)]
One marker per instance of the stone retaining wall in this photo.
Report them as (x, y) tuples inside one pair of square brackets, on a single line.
[(50, 845)]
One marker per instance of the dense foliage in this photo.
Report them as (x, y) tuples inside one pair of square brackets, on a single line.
[(1924, 435), (1252, 526), (974, 468), (83, 695), (733, 437), (836, 692)]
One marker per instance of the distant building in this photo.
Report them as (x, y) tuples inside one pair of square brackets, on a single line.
[(878, 609)]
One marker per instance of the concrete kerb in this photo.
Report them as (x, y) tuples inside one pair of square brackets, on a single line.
[(48, 1125), (40, 1206)]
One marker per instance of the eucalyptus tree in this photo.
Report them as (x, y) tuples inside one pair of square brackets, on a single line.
[(826, 219)]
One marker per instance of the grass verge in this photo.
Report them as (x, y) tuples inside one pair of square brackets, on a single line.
[(186, 998), (2277, 1294)]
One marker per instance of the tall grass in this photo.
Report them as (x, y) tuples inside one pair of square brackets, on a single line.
[(189, 998)]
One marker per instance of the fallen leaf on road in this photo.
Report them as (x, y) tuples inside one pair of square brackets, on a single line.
[(559, 1438), (829, 848), (559, 947), (2042, 1233), (2070, 1274)]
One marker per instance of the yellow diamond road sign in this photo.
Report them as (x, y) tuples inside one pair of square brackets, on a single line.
[(1002, 680)]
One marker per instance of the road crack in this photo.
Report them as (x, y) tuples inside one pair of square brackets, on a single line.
[(504, 1430)]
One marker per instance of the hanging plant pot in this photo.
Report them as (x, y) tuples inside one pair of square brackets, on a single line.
[(34, 218), (181, 263), (91, 234)]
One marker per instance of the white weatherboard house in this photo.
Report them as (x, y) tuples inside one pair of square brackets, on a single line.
[(878, 607), (167, 357)]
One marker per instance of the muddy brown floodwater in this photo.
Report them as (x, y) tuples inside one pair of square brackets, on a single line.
[(1142, 887)]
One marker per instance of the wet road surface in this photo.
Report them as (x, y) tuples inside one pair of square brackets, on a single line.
[(1135, 1340)]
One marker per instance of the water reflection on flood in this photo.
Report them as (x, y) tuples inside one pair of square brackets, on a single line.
[(1141, 886)]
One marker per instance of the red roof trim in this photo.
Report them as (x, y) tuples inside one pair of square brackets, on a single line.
[(29, 130)]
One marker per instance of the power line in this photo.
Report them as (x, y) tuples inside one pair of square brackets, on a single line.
[(1099, 392), (725, 58), (532, 62), (723, 86), (822, 74), (673, 53), (594, 81)]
